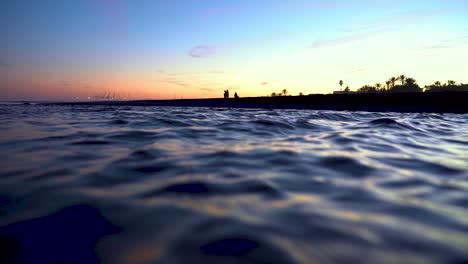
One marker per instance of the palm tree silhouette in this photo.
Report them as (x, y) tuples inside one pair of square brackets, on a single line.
[(378, 86), (393, 81), (402, 78), (347, 89), (410, 81), (438, 84), (388, 84), (273, 94), (451, 82), (285, 92), (341, 84)]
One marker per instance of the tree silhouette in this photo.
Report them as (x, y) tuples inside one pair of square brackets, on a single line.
[(402, 78), (347, 90), (379, 87), (410, 81), (367, 89), (285, 92), (410, 85), (393, 81), (451, 82), (341, 84), (388, 84), (273, 94)]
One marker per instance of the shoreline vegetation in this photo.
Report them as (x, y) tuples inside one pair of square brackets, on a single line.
[(399, 94), (400, 84), (430, 102)]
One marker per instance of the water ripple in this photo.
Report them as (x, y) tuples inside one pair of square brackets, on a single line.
[(200, 185)]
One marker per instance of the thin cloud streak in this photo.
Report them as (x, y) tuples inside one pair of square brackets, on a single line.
[(348, 39), (202, 51), (451, 43), (4, 64), (207, 89)]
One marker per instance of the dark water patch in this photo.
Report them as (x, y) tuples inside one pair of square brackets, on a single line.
[(42, 240), (90, 142), (280, 158), (153, 168), (6, 174), (456, 141), (384, 121), (237, 245), (230, 247), (107, 179), (118, 122), (187, 188), (124, 171), (339, 138), (4, 201), (356, 197), (143, 155), (59, 138), (132, 135), (204, 188), (345, 166)]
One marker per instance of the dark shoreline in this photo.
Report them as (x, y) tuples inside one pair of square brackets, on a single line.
[(443, 102)]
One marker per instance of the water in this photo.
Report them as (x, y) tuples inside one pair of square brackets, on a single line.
[(82, 184)]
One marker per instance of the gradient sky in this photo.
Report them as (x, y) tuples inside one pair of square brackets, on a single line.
[(63, 49)]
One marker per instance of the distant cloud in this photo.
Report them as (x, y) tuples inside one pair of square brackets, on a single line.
[(358, 70), (63, 83), (176, 82), (4, 64), (264, 83), (347, 39), (202, 51), (449, 43), (207, 89)]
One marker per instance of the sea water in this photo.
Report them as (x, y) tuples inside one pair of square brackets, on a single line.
[(118, 184)]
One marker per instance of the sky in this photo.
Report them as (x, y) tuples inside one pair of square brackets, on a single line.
[(166, 49)]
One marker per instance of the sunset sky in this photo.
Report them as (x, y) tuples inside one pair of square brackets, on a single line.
[(64, 49)]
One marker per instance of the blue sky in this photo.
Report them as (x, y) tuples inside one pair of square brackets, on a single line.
[(58, 49)]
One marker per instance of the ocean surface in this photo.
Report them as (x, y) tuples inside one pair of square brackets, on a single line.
[(90, 184)]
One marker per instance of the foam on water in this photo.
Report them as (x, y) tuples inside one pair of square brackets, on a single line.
[(201, 185)]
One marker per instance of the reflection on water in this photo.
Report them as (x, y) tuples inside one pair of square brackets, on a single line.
[(199, 185)]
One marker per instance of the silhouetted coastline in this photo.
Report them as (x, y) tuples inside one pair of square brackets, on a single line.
[(443, 102)]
